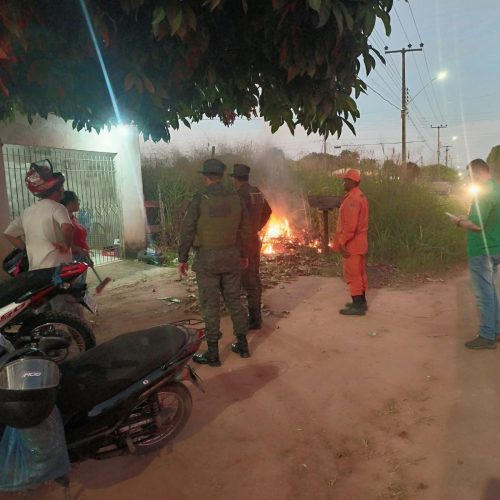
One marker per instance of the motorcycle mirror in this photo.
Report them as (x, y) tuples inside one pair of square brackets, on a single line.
[(53, 343)]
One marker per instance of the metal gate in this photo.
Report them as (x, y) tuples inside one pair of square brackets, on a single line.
[(90, 175)]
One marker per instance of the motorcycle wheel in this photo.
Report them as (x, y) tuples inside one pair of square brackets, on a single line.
[(55, 324), (174, 405)]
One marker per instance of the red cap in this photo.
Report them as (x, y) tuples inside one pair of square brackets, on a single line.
[(353, 174)]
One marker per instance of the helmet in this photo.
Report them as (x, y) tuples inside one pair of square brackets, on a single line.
[(41, 180), (16, 262), (28, 391)]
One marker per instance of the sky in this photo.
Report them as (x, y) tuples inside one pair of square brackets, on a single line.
[(460, 37)]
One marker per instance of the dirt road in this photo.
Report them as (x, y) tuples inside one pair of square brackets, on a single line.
[(386, 406)]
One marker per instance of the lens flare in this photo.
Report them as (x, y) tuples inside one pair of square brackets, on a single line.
[(474, 189)]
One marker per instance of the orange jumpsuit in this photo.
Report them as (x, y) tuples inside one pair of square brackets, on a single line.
[(352, 233)]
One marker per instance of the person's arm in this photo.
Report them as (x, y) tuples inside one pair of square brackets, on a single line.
[(16, 241), (349, 214), (266, 214), (15, 233), (464, 223), (480, 211), (67, 234), (244, 232)]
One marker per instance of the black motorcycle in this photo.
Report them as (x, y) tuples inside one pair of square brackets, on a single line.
[(123, 396)]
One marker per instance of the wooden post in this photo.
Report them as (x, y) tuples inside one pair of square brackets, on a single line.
[(326, 238), (325, 204)]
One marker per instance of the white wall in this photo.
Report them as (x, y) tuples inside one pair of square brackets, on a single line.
[(124, 142)]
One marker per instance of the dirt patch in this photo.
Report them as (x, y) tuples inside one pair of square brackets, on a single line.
[(385, 406)]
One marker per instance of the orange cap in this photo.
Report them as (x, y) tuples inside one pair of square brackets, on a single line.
[(353, 174)]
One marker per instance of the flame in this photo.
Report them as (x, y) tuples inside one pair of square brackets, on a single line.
[(278, 228)]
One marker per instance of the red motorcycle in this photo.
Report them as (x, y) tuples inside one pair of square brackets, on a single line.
[(26, 315)]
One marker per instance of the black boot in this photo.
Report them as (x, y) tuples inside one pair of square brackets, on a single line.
[(241, 346), (350, 304), (254, 318), (210, 356), (357, 308)]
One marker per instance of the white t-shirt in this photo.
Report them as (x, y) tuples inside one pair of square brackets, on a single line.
[(40, 225)]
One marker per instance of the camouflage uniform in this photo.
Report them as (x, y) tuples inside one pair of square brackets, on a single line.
[(216, 226), (259, 212)]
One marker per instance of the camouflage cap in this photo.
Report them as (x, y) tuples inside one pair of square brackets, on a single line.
[(213, 166), (240, 170)]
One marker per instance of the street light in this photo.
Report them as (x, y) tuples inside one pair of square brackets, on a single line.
[(440, 76)]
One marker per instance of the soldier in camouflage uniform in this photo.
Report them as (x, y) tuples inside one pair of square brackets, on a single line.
[(217, 227), (259, 212)]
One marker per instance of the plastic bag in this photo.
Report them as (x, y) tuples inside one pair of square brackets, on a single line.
[(5, 345), (29, 457)]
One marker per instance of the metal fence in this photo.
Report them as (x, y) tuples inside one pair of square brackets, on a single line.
[(90, 175)]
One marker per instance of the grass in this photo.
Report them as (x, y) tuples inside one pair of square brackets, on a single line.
[(408, 225)]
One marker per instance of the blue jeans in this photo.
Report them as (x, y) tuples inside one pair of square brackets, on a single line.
[(483, 273)]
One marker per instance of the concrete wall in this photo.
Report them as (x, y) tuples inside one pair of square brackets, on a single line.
[(123, 141)]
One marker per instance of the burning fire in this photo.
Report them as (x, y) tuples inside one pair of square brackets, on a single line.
[(278, 237), (277, 231)]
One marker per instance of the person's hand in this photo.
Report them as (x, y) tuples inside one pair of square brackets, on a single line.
[(456, 219), (183, 268), (62, 247), (343, 251), (244, 262)]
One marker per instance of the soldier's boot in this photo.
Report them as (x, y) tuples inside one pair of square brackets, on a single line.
[(350, 304), (357, 308), (241, 346), (210, 356), (254, 318)]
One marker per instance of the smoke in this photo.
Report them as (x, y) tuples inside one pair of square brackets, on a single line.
[(273, 173)]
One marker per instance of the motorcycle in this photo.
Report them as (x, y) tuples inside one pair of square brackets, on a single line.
[(124, 396), (26, 316)]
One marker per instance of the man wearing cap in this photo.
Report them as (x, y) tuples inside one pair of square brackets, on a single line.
[(351, 241), (259, 212), (217, 227), (44, 229)]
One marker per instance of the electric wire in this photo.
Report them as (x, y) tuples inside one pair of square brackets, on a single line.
[(427, 66), (382, 97)]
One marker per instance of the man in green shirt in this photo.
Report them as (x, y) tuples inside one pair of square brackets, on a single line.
[(483, 251)]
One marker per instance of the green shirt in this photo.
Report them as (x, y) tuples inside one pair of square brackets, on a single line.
[(485, 213)]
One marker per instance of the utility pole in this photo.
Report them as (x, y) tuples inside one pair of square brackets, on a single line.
[(439, 127), (446, 149), (404, 99)]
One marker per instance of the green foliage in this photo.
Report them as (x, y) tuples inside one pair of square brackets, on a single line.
[(493, 160), (438, 173), (292, 61), (408, 225)]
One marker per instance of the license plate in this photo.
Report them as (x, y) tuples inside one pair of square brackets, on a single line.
[(88, 300)]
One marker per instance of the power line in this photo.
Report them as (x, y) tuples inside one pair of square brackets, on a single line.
[(387, 87), (415, 60), (420, 134), (426, 64), (380, 95)]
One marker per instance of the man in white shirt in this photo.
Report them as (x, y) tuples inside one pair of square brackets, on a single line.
[(44, 229)]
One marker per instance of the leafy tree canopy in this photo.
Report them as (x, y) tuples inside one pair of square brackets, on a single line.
[(170, 61), (493, 160)]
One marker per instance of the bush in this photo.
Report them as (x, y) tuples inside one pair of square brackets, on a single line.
[(408, 225)]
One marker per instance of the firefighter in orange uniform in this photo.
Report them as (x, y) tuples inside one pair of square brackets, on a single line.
[(351, 241)]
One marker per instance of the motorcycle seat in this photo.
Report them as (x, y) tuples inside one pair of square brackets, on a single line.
[(33, 281), (102, 372)]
